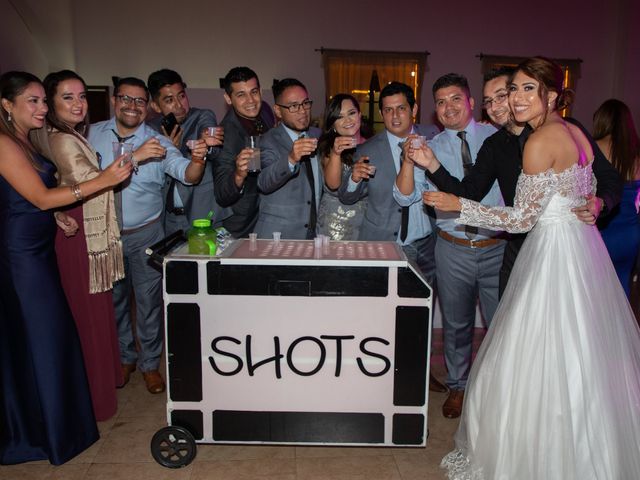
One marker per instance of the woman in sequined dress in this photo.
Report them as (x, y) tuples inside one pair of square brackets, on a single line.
[(337, 145)]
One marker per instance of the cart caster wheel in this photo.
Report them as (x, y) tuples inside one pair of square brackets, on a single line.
[(173, 447)]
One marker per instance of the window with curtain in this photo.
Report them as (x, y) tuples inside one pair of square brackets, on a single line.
[(570, 66), (359, 72)]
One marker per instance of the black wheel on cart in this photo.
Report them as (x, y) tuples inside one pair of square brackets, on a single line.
[(173, 447)]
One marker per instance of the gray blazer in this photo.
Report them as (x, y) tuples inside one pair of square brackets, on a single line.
[(383, 214), (285, 196)]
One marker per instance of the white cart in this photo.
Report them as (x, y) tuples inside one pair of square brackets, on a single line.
[(284, 343)]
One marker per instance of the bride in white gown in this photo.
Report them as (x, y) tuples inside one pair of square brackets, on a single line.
[(554, 392)]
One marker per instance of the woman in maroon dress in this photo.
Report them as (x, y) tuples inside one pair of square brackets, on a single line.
[(88, 243)]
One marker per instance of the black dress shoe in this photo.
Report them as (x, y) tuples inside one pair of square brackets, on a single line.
[(436, 386), (452, 407)]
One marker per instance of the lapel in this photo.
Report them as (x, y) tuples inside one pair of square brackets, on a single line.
[(283, 138)]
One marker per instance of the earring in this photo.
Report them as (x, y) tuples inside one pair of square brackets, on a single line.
[(9, 116)]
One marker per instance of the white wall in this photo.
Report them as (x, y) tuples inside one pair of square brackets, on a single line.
[(19, 50), (202, 39)]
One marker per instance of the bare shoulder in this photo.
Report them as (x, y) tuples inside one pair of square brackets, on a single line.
[(539, 152), (581, 139), (9, 148), (13, 159)]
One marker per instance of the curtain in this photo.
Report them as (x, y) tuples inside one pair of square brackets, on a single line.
[(350, 71)]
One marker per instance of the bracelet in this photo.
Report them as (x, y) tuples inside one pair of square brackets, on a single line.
[(75, 189), (199, 161)]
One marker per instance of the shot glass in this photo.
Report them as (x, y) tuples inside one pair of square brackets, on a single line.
[(253, 142), (372, 171), (211, 131), (419, 142), (253, 242), (126, 149), (191, 144), (276, 237)]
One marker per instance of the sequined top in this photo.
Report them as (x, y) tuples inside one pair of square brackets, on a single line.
[(337, 220)]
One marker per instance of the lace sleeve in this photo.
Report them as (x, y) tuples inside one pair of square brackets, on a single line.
[(533, 192)]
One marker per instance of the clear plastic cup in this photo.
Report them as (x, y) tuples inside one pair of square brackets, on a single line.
[(419, 142), (253, 142), (126, 149)]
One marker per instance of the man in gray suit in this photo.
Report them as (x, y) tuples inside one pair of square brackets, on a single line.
[(384, 218), (290, 182), (235, 186), (185, 203)]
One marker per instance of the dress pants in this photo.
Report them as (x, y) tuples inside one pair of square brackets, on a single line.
[(146, 282), (173, 223), (463, 274)]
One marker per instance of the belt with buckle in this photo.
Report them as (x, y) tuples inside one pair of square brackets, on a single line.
[(487, 242), (176, 210)]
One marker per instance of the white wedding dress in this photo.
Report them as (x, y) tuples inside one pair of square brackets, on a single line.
[(554, 392)]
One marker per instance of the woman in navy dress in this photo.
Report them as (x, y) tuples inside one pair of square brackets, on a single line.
[(45, 406), (616, 135)]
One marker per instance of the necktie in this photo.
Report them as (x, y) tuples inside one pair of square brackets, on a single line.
[(404, 217), (313, 214), (117, 191), (466, 165)]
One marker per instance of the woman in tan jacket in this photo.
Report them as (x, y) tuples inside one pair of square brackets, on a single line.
[(88, 243)]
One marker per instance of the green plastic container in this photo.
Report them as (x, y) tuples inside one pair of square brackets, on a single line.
[(202, 238)]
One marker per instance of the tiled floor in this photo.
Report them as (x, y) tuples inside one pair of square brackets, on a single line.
[(123, 451)]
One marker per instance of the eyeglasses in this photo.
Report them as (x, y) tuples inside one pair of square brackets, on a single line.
[(127, 100), (295, 107), (498, 100)]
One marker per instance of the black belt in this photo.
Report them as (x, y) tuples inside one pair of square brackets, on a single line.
[(176, 211)]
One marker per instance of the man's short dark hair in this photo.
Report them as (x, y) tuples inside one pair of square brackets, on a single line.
[(132, 82), (238, 74), (503, 71), (452, 80), (162, 78), (279, 86), (394, 88)]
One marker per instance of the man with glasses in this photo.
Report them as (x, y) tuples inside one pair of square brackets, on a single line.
[(290, 182), (500, 159), (384, 219), (140, 204), (248, 116), (185, 203)]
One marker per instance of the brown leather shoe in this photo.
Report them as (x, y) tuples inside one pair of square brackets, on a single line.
[(436, 385), (452, 407), (127, 370), (154, 382)]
